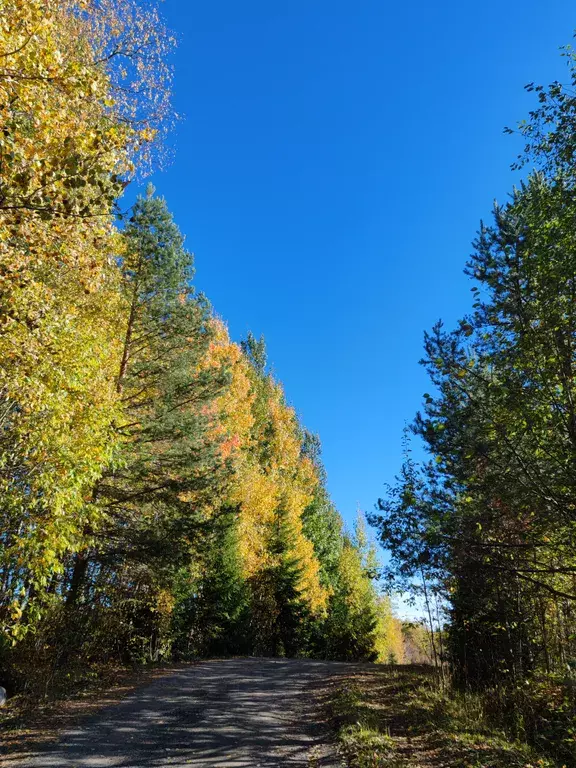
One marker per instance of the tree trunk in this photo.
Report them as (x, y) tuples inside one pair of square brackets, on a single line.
[(78, 575)]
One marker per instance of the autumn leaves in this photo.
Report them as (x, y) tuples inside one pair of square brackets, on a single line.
[(131, 426)]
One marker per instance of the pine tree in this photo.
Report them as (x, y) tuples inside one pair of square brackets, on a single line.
[(255, 351), (157, 497)]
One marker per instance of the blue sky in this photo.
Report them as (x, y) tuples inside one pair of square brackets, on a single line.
[(331, 169)]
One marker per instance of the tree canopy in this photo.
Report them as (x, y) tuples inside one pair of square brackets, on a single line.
[(159, 497)]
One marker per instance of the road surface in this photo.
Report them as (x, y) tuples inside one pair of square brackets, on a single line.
[(240, 713)]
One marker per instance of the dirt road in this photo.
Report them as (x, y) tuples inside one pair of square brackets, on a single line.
[(244, 713)]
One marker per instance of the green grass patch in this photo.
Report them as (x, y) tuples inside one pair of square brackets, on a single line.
[(387, 717)]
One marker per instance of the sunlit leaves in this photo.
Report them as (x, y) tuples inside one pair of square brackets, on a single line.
[(68, 143)]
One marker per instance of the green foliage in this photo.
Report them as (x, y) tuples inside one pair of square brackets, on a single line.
[(280, 615), (211, 612), (487, 523), (349, 630), (158, 496), (323, 527), (255, 351)]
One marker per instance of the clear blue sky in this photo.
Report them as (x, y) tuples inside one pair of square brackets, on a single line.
[(331, 169)]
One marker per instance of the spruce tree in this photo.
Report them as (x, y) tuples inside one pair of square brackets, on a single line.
[(280, 616), (349, 630), (211, 616), (321, 521)]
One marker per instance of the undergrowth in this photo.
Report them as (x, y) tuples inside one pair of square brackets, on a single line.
[(401, 716)]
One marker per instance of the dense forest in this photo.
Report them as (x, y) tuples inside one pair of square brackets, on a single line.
[(159, 497), (484, 527)]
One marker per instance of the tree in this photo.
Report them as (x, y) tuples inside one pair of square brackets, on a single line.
[(490, 517), (255, 351), (212, 611), (349, 631), (169, 473), (322, 524), (280, 613), (74, 120)]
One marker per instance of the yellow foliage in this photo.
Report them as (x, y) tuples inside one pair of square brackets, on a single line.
[(66, 141), (262, 437), (358, 588), (234, 406), (389, 640), (83, 95), (257, 495)]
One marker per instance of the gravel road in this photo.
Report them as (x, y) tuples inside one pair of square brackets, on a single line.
[(244, 713)]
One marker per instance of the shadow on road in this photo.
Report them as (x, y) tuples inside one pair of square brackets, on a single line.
[(234, 712)]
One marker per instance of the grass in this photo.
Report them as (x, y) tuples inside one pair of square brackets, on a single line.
[(388, 717)]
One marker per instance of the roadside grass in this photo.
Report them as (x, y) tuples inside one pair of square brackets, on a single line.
[(398, 716)]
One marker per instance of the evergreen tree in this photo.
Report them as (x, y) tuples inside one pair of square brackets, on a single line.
[(154, 502), (349, 630), (212, 618), (255, 351), (281, 616), (321, 521), (489, 519), (322, 526)]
